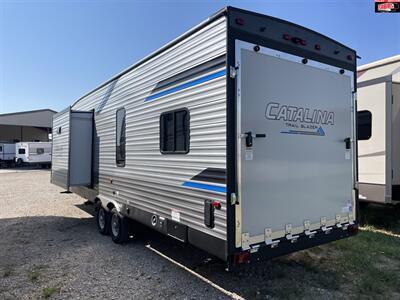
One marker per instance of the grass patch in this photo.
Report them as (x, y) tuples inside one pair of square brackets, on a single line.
[(372, 259), (7, 272), (364, 266), (33, 275), (47, 292), (291, 291)]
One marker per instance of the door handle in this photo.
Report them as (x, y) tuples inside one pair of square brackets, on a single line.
[(249, 137), (347, 142)]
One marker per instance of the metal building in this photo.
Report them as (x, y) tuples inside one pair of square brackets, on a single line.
[(26, 126)]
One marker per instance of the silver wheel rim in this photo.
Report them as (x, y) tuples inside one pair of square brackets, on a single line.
[(115, 225), (102, 218)]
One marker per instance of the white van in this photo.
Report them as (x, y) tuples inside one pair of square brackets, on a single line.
[(33, 153)]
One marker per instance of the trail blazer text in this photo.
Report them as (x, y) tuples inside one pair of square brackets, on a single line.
[(275, 111)]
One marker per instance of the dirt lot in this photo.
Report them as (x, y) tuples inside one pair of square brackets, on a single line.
[(50, 248)]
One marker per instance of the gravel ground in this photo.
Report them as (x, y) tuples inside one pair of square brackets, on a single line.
[(49, 244), (50, 247)]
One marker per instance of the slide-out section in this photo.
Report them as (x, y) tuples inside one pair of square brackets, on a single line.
[(72, 148)]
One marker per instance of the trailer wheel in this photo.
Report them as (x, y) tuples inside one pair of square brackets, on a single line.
[(119, 227), (103, 220)]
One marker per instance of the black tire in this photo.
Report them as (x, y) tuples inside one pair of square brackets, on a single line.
[(119, 229), (103, 220), (19, 162)]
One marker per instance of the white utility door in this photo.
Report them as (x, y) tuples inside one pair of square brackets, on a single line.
[(293, 165)]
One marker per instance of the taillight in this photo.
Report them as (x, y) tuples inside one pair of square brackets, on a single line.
[(216, 204), (241, 258)]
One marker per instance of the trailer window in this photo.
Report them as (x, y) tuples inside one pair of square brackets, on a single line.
[(120, 138), (39, 150), (174, 132), (364, 123), (21, 151)]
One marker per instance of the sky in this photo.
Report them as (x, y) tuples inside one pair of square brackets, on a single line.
[(53, 52)]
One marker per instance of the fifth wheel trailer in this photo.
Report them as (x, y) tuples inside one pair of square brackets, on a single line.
[(7, 154), (378, 99), (237, 137)]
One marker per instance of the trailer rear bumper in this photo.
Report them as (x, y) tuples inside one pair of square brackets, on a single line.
[(263, 251)]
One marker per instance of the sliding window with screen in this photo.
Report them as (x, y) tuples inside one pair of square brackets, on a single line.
[(174, 132)]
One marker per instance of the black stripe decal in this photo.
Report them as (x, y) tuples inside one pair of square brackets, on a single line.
[(213, 175), (201, 69)]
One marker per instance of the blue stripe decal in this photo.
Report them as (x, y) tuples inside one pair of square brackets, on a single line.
[(203, 186), (186, 85)]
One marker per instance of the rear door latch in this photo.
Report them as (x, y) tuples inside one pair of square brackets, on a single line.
[(347, 142), (249, 137)]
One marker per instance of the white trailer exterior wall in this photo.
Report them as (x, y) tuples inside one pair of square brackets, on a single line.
[(395, 131), (60, 147), (201, 73), (149, 180), (379, 172)]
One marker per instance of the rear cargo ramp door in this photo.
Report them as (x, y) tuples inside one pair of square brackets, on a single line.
[(293, 166)]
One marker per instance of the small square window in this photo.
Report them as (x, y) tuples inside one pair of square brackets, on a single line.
[(174, 132), (364, 125)]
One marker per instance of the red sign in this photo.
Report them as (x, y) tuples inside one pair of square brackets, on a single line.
[(387, 6)]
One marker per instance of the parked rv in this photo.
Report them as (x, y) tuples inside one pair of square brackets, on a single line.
[(33, 153), (237, 137), (378, 103), (7, 154)]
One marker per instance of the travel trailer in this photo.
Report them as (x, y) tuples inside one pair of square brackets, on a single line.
[(33, 153), (7, 154), (238, 137), (378, 108)]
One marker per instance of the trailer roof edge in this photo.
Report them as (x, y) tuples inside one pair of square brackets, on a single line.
[(379, 63), (192, 30), (224, 11), (288, 22)]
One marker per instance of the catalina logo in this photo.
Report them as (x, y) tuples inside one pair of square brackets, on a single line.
[(300, 120), (275, 111)]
